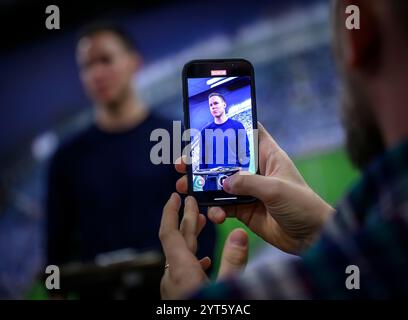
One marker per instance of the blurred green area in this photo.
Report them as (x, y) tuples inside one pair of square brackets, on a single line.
[(37, 292), (330, 174)]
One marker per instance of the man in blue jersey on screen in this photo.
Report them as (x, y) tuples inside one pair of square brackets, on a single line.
[(224, 144)]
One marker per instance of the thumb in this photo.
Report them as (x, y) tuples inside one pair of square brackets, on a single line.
[(254, 185), (235, 254)]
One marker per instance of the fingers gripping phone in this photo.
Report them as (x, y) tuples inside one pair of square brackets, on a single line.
[(220, 116)]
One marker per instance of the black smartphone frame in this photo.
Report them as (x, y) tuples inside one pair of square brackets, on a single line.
[(202, 69)]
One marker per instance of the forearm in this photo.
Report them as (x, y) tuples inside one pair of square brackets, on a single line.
[(323, 271)]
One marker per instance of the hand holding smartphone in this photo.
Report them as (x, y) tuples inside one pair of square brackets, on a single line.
[(220, 113)]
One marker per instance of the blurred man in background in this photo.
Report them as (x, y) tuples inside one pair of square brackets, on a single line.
[(363, 249), (104, 193)]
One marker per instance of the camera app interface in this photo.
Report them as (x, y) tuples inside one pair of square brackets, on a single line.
[(221, 125)]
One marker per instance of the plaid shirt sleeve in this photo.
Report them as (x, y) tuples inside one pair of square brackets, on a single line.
[(370, 231), (379, 249)]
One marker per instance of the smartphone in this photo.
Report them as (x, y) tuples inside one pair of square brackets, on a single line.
[(221, 122)]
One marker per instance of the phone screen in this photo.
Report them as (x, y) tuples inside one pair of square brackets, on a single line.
[(220, 99)]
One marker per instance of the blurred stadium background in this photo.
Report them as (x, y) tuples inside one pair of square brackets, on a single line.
[(42, 101)]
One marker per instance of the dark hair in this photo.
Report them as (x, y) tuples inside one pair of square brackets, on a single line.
[(94, 28), (216, 94)]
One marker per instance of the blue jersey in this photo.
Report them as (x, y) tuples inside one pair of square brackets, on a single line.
[(224, 145)]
